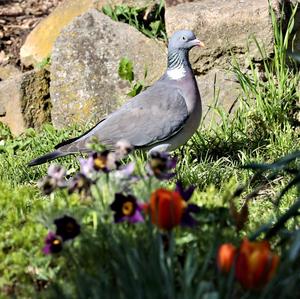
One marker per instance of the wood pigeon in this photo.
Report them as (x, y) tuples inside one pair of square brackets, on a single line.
[(161, 118)]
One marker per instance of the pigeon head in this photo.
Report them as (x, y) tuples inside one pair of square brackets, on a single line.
[(178, 53), (184, 40)]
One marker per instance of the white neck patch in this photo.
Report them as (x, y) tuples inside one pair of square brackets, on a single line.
[(177, 73)]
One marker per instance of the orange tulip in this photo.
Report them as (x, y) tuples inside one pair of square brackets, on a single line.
[(166, 208), (255, 264), (225, 257)]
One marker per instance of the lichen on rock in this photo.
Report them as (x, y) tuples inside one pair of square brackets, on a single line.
[(85, 85), (25, 101)]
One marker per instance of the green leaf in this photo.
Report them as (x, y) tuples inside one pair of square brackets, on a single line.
[(43, 63), (155, 26), (290, 213), (145, 72), (135, 89), (107, 10), (134, 17), (292, 183), (126, 69), (295, 248), (211, 295), (278, 164)]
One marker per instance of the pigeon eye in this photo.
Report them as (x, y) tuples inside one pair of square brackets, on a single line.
[(183, 38)]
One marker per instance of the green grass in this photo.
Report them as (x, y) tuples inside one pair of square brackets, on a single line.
[(125, 261), (150, 23)]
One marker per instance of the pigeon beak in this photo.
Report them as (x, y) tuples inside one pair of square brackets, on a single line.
[(198, 43)]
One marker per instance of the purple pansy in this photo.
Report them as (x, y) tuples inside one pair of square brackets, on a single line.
[(57, 172), (53, 243), (55, 178), (47, 185), (80, 183), (186, 194), (86, 166), (161, 165), (125, 173), (122, 149), (126, 208), (67, 227), (187, 219), (105, 161)]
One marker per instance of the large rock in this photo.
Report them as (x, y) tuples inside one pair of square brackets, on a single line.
[(225, 27), (25, 101), (169, 3), (136, 3), (39, 42), (296, 30), (84, 72), (8, 71), (218, 88)]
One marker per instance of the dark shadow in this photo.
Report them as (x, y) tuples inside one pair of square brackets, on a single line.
[(3, 2)]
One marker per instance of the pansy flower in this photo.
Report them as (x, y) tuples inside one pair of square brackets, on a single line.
[(55, 178), (122, 149), (125, 172), (187, 218), (104, 161), (53, 243), (67, 227), (126, 208), (86, 166), (125, 176), (170, 208), (80, 183), (57, 172), (47, 185), (161, 165)]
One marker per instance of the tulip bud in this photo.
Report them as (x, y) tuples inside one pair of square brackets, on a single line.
[(256, 264), (166, 208), (225, 257)]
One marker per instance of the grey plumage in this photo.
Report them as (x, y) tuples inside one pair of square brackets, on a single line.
[(162, 117)]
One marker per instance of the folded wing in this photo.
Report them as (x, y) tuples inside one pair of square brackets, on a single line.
[(156, 114)]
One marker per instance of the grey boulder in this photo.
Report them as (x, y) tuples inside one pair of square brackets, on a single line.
[(225, 27), (25, 101), (85, 85)]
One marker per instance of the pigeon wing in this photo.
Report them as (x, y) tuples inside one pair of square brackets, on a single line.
[(151, 117)]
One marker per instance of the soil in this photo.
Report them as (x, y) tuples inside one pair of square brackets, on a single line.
[(17, 19)]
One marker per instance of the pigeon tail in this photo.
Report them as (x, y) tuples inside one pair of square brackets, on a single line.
[(47, 157)]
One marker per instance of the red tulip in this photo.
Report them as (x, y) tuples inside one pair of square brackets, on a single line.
[(166, 208), (255, 264), (225, 257)]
